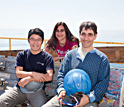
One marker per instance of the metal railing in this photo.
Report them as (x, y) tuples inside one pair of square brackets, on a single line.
[(10, 39)]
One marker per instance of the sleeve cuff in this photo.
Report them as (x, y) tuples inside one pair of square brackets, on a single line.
[(91, 97), (59, 90)]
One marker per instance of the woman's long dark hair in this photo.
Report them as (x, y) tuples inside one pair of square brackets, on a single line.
[(53, 40)]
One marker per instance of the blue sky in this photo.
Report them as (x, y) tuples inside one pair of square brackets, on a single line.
[(107, 14)]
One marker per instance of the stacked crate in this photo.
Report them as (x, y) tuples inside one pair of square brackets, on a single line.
[(51, 87), (7, 72)]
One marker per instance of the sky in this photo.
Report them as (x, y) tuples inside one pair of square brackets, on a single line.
[(27, 14)]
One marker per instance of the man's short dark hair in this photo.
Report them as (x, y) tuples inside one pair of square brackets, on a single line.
[(36, 31), (88, 25)]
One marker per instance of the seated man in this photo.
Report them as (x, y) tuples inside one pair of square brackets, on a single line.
[(33, 67), (92, 61)]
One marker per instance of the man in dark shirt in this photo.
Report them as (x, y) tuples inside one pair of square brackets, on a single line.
[(33, 67)]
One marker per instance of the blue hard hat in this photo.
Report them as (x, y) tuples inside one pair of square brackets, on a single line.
[(32, 87), (77, 80)]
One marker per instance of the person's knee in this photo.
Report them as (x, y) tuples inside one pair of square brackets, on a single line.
[(52, 102), (3, 104)]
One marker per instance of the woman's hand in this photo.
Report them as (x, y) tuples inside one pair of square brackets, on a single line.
[(58, 59)]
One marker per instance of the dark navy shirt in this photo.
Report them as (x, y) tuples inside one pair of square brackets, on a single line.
[(40, 62)]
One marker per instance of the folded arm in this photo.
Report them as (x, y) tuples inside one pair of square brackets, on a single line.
[(39, 77)]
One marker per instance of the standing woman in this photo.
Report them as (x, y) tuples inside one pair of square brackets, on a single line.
[(61, 41)]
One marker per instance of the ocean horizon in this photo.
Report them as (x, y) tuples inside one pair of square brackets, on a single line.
[(103, 35)]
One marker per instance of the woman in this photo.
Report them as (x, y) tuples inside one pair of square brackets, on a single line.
[(61, 41)]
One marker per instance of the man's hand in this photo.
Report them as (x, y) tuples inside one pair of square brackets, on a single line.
[(39, 77), (84, 100), (62, 95), (24, 81)]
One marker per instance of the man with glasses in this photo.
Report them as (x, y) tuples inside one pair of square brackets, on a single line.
[(92, 61), (33, 67)]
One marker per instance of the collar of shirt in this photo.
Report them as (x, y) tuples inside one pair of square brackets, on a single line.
[(82, 53)]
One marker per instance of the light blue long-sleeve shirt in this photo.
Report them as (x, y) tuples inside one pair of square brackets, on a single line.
[(95, 64)]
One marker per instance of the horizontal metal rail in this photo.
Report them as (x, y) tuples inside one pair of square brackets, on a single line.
[(10, 39)]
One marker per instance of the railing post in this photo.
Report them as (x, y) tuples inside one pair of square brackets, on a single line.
[(45, 40), (9, 43)]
